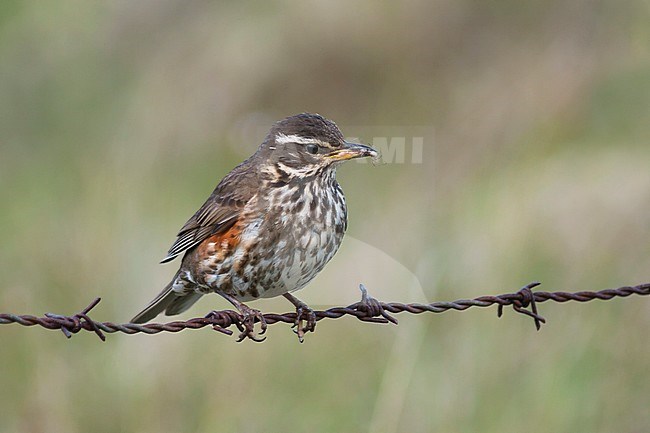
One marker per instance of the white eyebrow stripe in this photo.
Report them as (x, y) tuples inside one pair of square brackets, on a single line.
[(285, 139)]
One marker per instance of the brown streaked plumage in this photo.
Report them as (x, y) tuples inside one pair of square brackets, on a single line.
[(269, 226)]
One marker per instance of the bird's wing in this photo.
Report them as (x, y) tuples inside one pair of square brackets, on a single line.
[(220, 211)]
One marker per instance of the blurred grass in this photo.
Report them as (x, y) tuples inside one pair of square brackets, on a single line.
[(117, 119)]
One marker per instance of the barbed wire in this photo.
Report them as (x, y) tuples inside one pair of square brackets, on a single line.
[(367, 309)]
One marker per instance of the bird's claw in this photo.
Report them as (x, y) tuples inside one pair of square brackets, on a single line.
[(375, 311), (307, 315), (246, 324)]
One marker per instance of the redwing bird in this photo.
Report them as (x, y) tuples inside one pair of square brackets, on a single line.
[(269, 227)]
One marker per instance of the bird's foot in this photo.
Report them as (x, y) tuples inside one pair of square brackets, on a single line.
[(306, 315), (373, 309), (246, 325)]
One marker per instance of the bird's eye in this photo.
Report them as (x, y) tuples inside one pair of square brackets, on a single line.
[(312, 148)]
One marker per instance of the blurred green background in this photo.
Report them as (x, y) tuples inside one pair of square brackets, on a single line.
[(118, 118)]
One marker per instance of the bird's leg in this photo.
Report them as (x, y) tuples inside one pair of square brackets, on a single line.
[(303, 313), (247, 323)]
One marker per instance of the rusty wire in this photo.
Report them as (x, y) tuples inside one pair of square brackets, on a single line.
[(368, 309)]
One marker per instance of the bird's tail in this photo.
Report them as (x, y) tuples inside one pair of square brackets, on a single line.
[(170, 302)]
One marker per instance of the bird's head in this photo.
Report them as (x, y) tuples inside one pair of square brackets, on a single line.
[(307, 144)]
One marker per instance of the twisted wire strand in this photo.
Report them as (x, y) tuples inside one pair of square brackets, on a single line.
[(368, 309)]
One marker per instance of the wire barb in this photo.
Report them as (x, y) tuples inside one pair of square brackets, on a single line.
[(372, 308), (524, 301), (72, 325), (526, 298)]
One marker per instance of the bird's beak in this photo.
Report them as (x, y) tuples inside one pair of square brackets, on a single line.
[(352, 150)]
